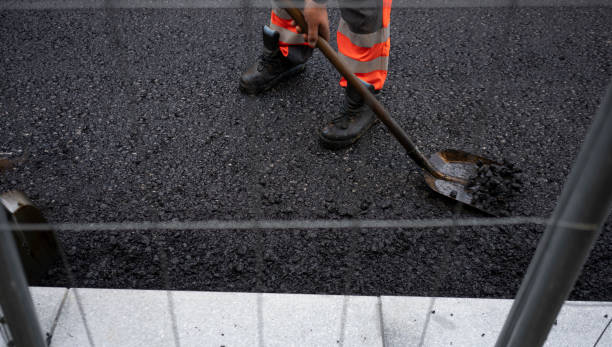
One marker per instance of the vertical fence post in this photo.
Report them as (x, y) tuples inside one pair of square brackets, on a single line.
[(14, 293), (567, 241)]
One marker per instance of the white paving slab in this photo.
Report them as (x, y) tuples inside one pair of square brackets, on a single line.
[(216, 319), (47, 302), (115, 318), (317, 320), (477, 322), (464, 322), (141, 318), (580, 324), (404, 319), (606, 338)]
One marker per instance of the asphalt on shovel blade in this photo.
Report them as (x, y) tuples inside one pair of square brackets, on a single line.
[(458, 164)]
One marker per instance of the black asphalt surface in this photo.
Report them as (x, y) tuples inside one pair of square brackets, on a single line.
[(135, 115)]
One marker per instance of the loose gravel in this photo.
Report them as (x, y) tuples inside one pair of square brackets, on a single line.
[(135, 115), (496, 188)]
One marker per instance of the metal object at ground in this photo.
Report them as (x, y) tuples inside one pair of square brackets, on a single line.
[(38, 249), (457, 164), (565, 246), (435, 175)]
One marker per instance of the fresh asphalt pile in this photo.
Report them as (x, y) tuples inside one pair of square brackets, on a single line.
[(135, 115), (496, 187)]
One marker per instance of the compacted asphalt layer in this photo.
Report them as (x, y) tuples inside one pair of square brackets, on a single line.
[(135, 115)]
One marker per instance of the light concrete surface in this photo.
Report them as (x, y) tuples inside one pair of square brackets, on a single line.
[(142, 318), (477, 322), (3, 337), (216, 319), (47, 302), (580, 324), (404, 319), (465, 322), (115, 318), (321, 320), (606, 337)]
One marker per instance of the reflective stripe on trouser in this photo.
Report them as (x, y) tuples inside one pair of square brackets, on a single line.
[(363, 38), (290, 43), (364, 41)]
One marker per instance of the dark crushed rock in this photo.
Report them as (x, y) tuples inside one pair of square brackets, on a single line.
[(494, 187), (134, 115)]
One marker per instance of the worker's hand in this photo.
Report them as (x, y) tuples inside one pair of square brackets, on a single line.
[(318, 23)]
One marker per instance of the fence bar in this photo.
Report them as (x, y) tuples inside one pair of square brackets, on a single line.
[(14, 293), (563, 250)]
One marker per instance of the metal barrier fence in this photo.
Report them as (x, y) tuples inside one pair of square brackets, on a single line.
[(562, 251)]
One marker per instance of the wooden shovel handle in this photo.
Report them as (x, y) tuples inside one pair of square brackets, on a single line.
[(369, 98)]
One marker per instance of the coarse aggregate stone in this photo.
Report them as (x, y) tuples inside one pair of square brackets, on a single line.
[(495, 187), (135, 115)]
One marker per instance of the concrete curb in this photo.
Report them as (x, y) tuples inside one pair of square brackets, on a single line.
[(117, 317)]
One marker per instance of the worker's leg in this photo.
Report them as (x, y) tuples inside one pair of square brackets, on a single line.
[(291, 44), (363, 39), (363, 44), (284, 55)]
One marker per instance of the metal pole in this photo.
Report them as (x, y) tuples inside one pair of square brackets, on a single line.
[(14, 293), (585, 203)]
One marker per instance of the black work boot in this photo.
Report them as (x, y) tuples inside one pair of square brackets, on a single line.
[(355, 120), (270, 69)]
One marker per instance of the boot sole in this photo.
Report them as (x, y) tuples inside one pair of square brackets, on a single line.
[(250, 90), (340, 144)]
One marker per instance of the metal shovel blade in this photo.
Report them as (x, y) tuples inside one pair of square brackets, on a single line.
[(451, 169), (458, 164)]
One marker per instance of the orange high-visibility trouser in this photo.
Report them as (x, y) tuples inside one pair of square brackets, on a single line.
[(363, 38)]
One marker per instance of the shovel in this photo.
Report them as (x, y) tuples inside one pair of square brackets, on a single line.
[(446, 172)]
